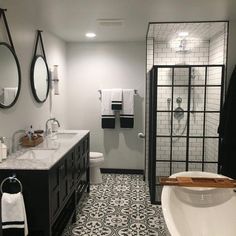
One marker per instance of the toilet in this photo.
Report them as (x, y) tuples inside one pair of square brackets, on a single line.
[(95, 161)]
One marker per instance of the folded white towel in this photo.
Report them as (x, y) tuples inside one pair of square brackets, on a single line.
[(127, 113), (108, 116), (116, 99), (9, 95), (13, 212)]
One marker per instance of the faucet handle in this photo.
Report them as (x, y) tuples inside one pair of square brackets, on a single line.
[(2, 139)]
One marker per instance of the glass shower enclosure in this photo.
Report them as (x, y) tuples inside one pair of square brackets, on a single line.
[(184, 104)]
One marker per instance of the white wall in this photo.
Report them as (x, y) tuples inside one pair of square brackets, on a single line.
[(23, 23), (93, 66)]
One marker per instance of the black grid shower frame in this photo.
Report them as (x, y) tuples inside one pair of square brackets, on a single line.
[(204, 112), (152, 135)]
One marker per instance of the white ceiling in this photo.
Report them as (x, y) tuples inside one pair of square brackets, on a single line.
[(71, 19), (196, 31)]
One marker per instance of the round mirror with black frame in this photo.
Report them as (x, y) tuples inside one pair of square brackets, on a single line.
[(39, 73), (10, 73), (10, 79), (39, 79)]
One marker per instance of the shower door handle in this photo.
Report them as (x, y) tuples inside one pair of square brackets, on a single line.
[(141, 135)]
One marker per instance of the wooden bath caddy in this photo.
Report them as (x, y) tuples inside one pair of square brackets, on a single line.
[(36, 140), (198, 182)]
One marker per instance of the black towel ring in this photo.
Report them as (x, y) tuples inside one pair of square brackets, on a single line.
[(11, 179)]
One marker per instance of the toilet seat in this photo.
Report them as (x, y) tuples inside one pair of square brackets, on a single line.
[(95, 155)]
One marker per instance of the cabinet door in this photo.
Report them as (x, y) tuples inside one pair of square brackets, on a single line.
[(78, 155), (63, 181), (71, 170), (86, 153), (54, 190)]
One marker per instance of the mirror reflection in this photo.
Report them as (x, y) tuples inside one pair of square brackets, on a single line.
[(9, 79), (40, 79)]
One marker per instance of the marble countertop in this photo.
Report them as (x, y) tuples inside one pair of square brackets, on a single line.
[(59, 146)]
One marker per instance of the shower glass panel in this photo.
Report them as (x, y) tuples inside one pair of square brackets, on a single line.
[(195, 149), (195, 167), (178, 167), (185, 103), (163, 123), (196, 123), (211, 149), (178, 149), (163, 148), (198, 76)]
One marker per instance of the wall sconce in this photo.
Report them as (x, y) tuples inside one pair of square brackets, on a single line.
[(55, 80)]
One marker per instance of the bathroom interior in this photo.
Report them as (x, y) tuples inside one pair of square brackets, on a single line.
[(102, 102)]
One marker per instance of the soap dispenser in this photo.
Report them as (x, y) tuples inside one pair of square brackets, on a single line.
[(3, 149)]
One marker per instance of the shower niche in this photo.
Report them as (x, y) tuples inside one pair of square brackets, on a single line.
[(184, 94)]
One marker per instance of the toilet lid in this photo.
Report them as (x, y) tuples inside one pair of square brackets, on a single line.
[(94, 155)]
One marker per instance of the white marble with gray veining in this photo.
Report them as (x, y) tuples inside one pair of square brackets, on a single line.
[(59, 145)]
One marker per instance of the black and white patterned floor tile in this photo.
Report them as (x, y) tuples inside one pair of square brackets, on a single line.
[(119, 206)]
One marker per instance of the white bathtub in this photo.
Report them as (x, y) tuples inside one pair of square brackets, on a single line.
[(199, 211)]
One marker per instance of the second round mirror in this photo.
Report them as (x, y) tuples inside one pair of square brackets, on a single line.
[(39, 78)]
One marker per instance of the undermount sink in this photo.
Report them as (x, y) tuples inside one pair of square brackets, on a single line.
[(38, 154), (65, 135)]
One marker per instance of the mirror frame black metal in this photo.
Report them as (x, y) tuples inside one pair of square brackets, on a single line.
[(32, 79), (35, 57), (12, 50)]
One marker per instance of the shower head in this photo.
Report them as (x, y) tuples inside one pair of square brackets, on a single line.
[(182, 47)]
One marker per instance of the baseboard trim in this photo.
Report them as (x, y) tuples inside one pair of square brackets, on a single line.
[(122, 171)]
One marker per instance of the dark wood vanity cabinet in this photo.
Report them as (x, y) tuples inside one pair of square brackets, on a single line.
[(51, 195)]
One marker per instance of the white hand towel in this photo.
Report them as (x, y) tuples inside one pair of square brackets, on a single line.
[(9, 95), (116, 99), (108, 116), (13, 212), (127, 113)]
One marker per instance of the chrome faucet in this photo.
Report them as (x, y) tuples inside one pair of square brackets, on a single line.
[(46, 127), (2, 139), (14, 146)]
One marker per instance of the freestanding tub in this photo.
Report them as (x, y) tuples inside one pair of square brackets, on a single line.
[(199, 211)]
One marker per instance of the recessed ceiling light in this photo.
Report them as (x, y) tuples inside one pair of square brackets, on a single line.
[(183, 34), (90, 35)]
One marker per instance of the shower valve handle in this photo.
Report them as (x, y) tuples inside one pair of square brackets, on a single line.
[(141, 135)]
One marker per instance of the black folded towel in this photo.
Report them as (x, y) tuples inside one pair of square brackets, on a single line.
[(227, 131), (108, 121)]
